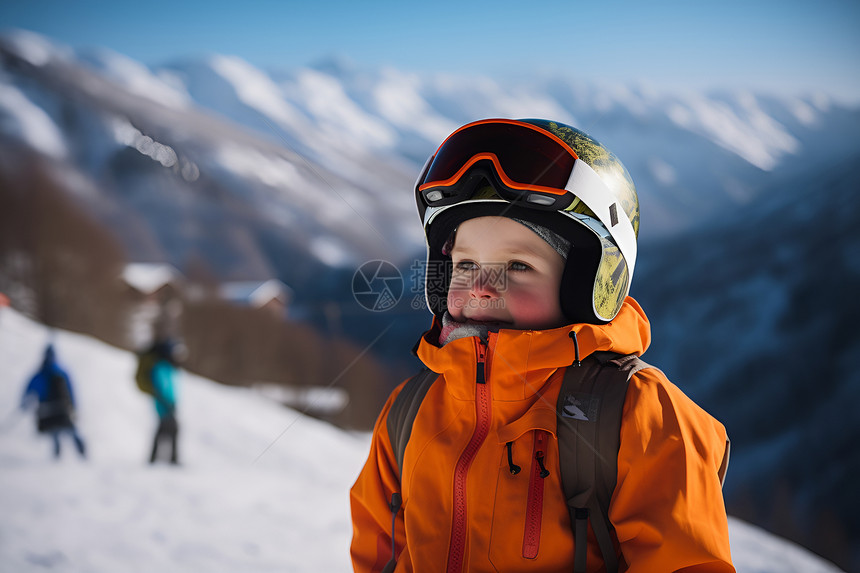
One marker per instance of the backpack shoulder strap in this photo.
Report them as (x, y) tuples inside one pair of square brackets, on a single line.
[(403, 411), (399, 422), (588, 411)]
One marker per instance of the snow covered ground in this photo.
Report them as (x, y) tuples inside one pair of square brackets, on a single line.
[(260, 488)]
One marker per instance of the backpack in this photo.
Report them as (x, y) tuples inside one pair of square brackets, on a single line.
[(57, 391), (143, 375), (55, 408), (588, 409)]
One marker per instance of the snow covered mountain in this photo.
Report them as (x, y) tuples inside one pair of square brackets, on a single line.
[(173, 178), (290, 174), (261, 488), (319, 162)]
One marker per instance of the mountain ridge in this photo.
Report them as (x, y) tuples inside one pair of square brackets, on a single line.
[(342, 121)]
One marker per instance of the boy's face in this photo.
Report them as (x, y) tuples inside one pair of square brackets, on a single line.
[(506, 275)]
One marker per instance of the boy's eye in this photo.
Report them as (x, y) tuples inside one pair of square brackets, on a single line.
[(518, 266), (465, 266)]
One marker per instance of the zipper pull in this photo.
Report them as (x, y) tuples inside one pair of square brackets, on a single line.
[(394, 506), (576, 362), (543, 471), (515, 469), (540, 440), (480, 376)]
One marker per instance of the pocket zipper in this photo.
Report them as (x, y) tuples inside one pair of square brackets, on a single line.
[(534, 508)]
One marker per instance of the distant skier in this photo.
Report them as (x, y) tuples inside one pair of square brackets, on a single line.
[(156, 375), (51, 387)]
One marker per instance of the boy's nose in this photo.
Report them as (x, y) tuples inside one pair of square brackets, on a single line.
[(485, 284)]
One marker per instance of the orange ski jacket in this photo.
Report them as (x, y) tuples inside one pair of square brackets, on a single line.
[(464, 509)]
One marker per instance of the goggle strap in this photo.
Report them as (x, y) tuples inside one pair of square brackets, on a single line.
[(587, 185), (423, 172), (431, 212), (591, 190)]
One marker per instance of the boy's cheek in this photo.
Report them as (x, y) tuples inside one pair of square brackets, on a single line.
[(456, 301), (532, 310)]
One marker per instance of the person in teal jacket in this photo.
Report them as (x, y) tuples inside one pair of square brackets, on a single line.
[(164, 384)]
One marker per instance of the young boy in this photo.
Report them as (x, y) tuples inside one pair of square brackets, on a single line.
[(531, 230)]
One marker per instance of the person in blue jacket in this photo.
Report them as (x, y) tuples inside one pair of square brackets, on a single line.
[(163, 376), (51, 388)]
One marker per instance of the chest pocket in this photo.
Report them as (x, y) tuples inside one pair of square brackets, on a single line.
[(530, 510)]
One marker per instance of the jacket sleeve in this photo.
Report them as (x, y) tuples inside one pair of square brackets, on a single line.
[(668, 508), (369, 501), (31, 392)]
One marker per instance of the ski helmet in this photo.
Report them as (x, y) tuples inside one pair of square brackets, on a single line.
[(547, 173)]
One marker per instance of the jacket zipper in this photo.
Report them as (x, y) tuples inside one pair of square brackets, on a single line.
[(457, 545), (534, 508)]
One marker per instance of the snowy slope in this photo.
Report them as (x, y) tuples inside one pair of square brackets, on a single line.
[(260, 488)]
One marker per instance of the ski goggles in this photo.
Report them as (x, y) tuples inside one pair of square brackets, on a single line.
[(527, 166)]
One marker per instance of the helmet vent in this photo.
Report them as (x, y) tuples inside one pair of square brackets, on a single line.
[(613, 214)]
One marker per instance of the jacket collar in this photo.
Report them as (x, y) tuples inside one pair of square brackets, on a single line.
[(520, 362)]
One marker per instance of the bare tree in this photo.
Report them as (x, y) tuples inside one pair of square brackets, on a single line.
[(57, 263)]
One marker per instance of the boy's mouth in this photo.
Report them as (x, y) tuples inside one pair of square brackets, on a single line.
[(485, 321)]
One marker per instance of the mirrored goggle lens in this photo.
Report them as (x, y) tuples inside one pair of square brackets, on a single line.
[(526, 155)]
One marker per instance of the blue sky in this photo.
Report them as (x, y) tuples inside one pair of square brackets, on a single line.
[(794, 46)]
